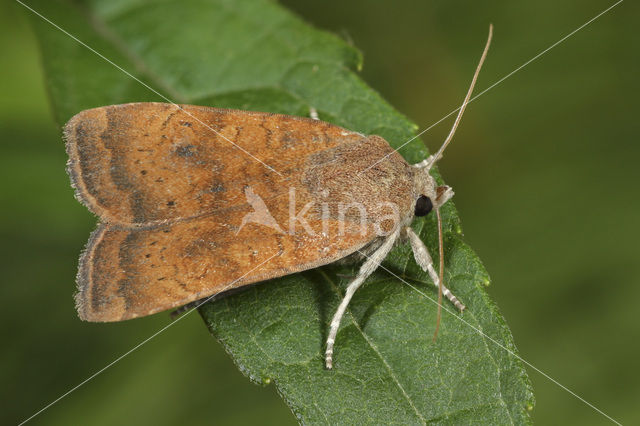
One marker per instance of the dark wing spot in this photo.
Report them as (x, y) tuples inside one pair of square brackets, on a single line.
[(217, 188), (185, 151)]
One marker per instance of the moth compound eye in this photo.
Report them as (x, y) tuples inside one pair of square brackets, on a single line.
[(423, 206)]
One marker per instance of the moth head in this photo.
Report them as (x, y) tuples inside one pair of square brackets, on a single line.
[(428, 194)]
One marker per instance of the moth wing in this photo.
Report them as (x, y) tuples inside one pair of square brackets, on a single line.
[(189, 208), (146, 163), (131, 272)]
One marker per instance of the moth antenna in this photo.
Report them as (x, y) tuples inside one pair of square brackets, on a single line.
[(466, 101), (441, 278)]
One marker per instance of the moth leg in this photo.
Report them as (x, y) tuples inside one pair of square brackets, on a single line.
[(313, 113), (423, 259), (367, 268)]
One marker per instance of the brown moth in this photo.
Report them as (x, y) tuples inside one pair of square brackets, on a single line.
[(194, 201)]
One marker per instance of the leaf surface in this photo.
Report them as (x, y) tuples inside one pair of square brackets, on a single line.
[(255, 55)]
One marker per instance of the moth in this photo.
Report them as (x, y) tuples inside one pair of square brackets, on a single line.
[(194, 201)]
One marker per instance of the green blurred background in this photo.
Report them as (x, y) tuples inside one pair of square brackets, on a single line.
[(546, 172)]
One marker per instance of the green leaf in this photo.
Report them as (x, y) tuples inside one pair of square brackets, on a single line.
[(255, 55)]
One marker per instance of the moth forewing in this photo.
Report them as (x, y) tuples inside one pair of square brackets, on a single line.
[(178, 205)]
